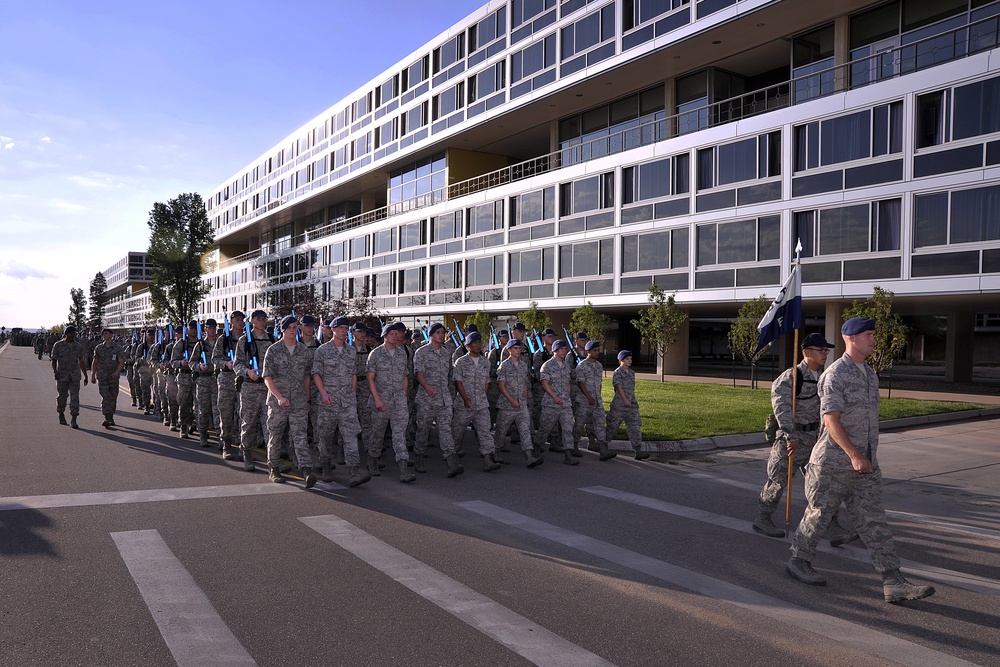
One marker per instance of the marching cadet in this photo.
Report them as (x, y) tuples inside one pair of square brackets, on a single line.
[(590, 403), (144, 371), (170, 375), (129, 352), (388, 383), (335, 379), (205, 380), (556, 405), (68, 362), (288, 377), (362, 344), (433, 403), (579, 356), (624, 407), (307, 335), (249, 363), (495, 356), (223, 360), (512, 382), (109, 362), (181, 361), (538, 359), (472, 378)]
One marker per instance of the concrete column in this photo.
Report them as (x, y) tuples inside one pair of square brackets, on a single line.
[(959, 346), (675, 361), (831, 331), (841, 53)]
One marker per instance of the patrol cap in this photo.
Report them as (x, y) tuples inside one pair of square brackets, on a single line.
[(308, 320), (193, 324), (472, 337), (70, 329), (815, 340), (511, 345), (434, 328), (857, 325), (258, 314), (407, 335), (287, 321), (548, 332), (503, 332), (341, 321), (520, 326), (472, 328), (582, 335), (359, 326), (237, 313), (624, 354), (592, 345), (387, 329), (211, 323), (399, 326), (559, 344)]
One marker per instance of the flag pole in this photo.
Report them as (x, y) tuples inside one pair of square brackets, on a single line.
[(795, 363)]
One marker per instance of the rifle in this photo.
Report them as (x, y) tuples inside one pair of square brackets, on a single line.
[(225, 316), (253, 359), (572, 345), (423, 330), (459, 332)]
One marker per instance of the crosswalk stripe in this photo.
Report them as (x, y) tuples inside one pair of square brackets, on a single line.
[(519, 634), (141, 496), (951, 577), (193, 631), (844, 632)]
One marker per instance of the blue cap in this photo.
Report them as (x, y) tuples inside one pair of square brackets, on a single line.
[(472, 328), (815, 340), (211, 323), (287, 321), (193, 324), (472, 337), (548, 332), (520, 326), (70, 329), (434, 328), (559, 344), (624, 354), (258, 313), (308, 320), (237, 313), (340, 321), (360, 326), (511, 345), (503, 332), (857, 325), (592, 345), (582, 335), (399, 326), (387, 328)]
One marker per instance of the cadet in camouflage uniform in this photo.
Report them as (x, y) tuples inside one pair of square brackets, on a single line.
[(389, 384), (170, 375), (130, 351), (495, 358), (67, 363), (109, 361), (556, 405), (589, 402), (512, 383), (181, 361), (253, 394), (364, 348), (144, 372), (223, 359), (156, 371), (796, 433), (433, 403), (307, 336), (335, 379), (208, 387), (844, 468), (472, 378), (537, 361), (624, 407), (288, 376)]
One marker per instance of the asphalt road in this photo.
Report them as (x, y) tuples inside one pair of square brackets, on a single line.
[(135, 547)]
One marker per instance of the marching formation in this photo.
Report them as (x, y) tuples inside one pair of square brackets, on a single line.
[(314, 395)]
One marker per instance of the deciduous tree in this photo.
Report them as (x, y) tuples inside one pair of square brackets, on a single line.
[(98, 299), (660, 322), (77, 308), (890, 331), (180, 236)]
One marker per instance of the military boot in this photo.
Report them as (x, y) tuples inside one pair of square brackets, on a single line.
[(184, 431), (641, 455), (803, 571), (72, 422), (576, 451), (896, 588), (606, 453), (499, 459), (454, 467), (405, 476), (204, 439), (276, 476), (418, 463), (373, 467), (568, 458), (248, 465), (327, 473), (839, 535), (356, 477), (489, 465), (309, 477), (227, 453), (765, 526), (62, 418), (534, 460)]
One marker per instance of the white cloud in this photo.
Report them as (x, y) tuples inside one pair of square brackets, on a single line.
[(21, 271), (102, 181), (9, 145), (47, 140), (69, 207), (3, 138)]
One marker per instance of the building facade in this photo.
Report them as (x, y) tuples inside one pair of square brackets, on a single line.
[(575, 151), (128, 305)]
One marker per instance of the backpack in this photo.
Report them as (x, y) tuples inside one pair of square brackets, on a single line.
[(771, 423)]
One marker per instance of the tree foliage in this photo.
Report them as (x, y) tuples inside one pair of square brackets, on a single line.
[(890, 331), (180, 235), (590, 321), (98, 299), (743, 334), (77, 308), (660, 322), (533, 317), (482, 320)]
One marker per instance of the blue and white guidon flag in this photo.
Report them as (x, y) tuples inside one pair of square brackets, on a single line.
[(785, 313)]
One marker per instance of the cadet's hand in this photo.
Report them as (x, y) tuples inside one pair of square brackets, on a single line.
[(379, 405), (628, 403), (792, 445), (514, 403), (861, 463), (229, 365), (252, 374), (283, 402), (432, 392), (85, 380), (591, 401), (93, 378), (468, 403), (558, 401), (326, 398)]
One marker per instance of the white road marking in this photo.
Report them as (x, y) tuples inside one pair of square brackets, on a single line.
[(519, 634), (951, 577), (844, 632), (194, 632), (140, 496)]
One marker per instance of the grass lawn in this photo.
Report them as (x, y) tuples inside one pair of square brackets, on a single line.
[(681, 410)]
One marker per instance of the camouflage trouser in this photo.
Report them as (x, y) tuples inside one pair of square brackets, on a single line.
[(160, 391), (208, 403), (411, 424), (396, 415), (430, 411), (226, 388), (550, 416), (295, 420), (171, 391), (535, 404), (345, 422), (826, 488), (493, 397), (185, 398), (108, 388), (590, 422), (253, 408), (633, 424), (364, 405), (480, 420), (508, 416), (312, 428), (145, 387), (70, 388), (777, 468)]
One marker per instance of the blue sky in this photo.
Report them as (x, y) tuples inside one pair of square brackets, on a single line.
[(107, 107)]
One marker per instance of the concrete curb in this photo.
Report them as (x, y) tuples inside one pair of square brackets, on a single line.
[(744, 440)]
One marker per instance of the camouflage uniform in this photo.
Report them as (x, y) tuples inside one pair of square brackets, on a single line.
[(537, 393), (108, 358), (336, 366), (851, 390), (182, 351), (557, 373), (590, 417), (515, 381), (364, 393), (223, 352), (208, 388), (253, 393), (436, 368), (389, 372), (66, 358), (144, 374), (312, 424), (474, 374), (625, 378), (170, 380), (289, 369)]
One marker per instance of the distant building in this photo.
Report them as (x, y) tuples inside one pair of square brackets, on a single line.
[(128, 304)]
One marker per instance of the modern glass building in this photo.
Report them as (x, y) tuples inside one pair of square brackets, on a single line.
[(128, 304), (573, 151)]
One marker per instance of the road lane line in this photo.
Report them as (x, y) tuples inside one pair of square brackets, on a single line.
[(939, 574), (519, 634), (141, 496), (843, 632), (194, 632)]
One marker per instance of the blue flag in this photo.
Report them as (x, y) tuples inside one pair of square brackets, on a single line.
[(785, 313)]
